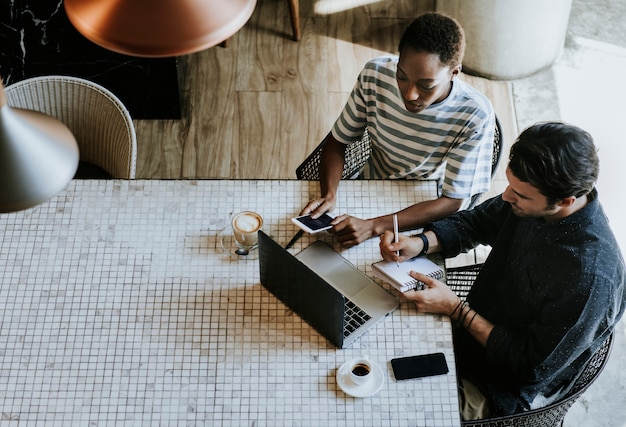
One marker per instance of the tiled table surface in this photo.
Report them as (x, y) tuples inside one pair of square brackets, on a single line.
[(118, 306)]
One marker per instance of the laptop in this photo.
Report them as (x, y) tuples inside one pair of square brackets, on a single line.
[(324, 289)]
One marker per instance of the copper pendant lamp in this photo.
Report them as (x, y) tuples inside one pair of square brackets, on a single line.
[(158, 28), (38, 157)]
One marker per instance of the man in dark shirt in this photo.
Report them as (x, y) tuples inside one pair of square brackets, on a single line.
[(552, 288)]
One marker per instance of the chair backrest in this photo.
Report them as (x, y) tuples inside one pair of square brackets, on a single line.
[(496, 153), (553, 415), (460, 280), (357, 154), (99, 121), (355, 157)]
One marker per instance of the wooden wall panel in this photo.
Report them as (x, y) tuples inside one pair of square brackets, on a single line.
[(256, 108)]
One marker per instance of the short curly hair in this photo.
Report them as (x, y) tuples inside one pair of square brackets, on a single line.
[(436, 33)]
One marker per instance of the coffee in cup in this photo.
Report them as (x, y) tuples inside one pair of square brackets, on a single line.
[(245, 226), (360, 371)]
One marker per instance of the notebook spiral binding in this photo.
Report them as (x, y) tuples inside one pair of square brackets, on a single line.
[(418, 285)]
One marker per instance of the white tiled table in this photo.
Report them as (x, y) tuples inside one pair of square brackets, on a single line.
[(119, 307)]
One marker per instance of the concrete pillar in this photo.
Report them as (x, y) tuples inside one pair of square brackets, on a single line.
[(509, 39)]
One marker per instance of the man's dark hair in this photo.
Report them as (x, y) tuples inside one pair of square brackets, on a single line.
[(436, 33), (558, 159)]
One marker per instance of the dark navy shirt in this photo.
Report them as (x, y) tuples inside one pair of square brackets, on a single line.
[(554, 292)]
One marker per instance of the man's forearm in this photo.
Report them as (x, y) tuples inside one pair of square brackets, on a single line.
[(476, 325)]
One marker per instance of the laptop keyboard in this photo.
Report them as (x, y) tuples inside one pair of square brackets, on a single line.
[(353, 317)]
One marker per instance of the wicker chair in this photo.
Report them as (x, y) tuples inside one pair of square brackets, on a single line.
[(358, 153), (460, 279), (100, 122)]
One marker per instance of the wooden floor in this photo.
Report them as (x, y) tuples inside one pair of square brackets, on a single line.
[(256, 108)]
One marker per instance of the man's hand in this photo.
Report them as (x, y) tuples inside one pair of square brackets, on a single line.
[(435, 298), (438, 298), (408, 247)]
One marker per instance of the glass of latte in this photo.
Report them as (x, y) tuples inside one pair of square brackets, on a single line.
[(245, 225)]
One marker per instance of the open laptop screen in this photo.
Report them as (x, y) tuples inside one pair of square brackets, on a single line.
[(303, 291)]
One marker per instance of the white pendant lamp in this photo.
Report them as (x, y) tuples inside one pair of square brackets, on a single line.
[(38, 157), (158, 28)]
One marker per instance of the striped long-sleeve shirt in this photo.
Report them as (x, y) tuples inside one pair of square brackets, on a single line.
[(452, 139)]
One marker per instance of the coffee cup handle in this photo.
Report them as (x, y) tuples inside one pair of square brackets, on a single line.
[(223, 235)]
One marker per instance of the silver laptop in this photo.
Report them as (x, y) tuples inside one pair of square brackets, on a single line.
[(324, 289)]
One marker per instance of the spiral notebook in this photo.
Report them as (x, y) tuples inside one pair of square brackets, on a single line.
[(399, 277)]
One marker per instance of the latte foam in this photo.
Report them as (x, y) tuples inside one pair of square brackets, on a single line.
[(247, 223)]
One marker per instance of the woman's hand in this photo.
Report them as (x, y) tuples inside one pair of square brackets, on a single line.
[(319, 206), (351, 231)]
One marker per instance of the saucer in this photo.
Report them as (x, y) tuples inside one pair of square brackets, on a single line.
[(229, 245), (370, 388)]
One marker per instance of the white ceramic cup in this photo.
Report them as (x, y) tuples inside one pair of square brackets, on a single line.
[(361, 371), (245, 226)]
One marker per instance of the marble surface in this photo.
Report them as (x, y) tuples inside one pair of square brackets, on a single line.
[(119, 307), (38, 39)]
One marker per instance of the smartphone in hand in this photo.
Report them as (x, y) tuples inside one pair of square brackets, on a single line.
[(311, 225)]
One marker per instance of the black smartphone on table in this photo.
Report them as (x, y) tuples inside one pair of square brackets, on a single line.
[(423, 365)]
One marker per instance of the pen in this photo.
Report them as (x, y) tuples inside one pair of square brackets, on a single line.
[(295, 239), (395, 235)]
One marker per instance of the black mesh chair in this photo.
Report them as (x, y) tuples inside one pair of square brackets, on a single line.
[(495, 159), (357, 154), (460, 280), (355, 158)]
